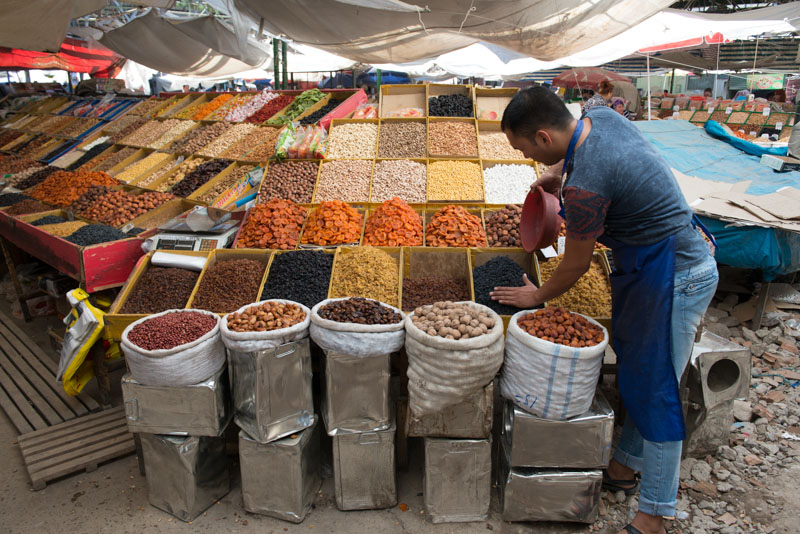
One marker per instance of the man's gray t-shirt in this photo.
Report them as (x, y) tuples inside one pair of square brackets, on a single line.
[(618, 184)]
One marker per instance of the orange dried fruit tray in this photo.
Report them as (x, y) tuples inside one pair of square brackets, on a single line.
[(273, 224), (332, 223), (393, 224), (454, 226)]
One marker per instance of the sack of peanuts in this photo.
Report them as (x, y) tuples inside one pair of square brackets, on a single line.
[(174, 348), (454, 350), (552, 363), (357, 326), (265, 325)]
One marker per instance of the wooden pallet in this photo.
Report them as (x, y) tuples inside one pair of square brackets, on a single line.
[(29, 392), (77, 445)]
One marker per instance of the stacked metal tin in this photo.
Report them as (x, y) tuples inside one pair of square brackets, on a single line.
[(552, 470), (458, 458), (183, 448), (359, 415), (279, 440)]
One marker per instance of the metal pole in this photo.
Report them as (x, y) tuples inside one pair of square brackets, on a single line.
[(276, 64), (285, 84), (649, 105), (69, 81), (755, 58), (672, 82), (378, 81), (716, 73)]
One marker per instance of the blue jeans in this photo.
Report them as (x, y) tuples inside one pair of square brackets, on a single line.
[(659, 462)]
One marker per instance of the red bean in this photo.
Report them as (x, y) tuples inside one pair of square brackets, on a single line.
[(171, 330)]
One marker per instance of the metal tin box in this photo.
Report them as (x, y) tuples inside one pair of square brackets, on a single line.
[(528, 494), (364, 470), (293, 461), (580, 442), (719, 371), (356, 393), (458, 479), (272, 390), (185, 475), (200, 410), (470, 419)]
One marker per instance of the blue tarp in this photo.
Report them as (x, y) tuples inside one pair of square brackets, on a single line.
[(715, 129), (692, 151)]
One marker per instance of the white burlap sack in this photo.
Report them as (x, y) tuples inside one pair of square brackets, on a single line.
[(184, 365), (547, 379), (356, 339), (255, 341), (443, 372)]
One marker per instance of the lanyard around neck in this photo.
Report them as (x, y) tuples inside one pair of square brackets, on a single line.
[(570, 152)]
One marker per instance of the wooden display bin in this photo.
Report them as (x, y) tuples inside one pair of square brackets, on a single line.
[(419, 209), (489, 163), (197, 193), (244, 223), (431, 211), (222, 254), (194, 100), (153, 169), (324, 100), (133, 158), (160, 215), (452, 263), (394, 252), (439, 89), (276, 253), (398, 97), (480, 256), (339, 122), (116, 322), (434, 120), (493, 100), (431, 200), (315, 200), (422, 121), (375, 201), (490, 127), (487, 212)]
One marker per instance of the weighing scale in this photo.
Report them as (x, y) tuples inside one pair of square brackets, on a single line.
[(202, 229)]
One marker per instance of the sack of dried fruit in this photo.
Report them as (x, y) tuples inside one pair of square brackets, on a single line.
[(552, 362), (357, 326), (265, 325), (174, 348), (454, 350)]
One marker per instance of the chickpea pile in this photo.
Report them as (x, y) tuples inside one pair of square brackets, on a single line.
[(452, 320), (266, 316), (558, 325)]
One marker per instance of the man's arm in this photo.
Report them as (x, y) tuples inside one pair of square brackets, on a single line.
[(550, 180)]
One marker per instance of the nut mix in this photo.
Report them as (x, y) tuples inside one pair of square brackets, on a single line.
[(266, 316), (453, 226), (260, 142), (332, 223), (495, 145), (273, 224), (127, 129), (393, 224), (62, 188), (136, 168), (591, 295), (738, 117), (291, 180), (452, 138), (366, 272), (112, 160), (455, 180), (222, 143), (301, 276), (160, 289), (421, 291), (171, 330), (346, 180), (15, 164), (228, 285), (352, 141), (502, 227), (402, 140), (195, 140), (452, 320), (175, 130), (187, 167), (148, 133), (558, 325), (199, 177), (146, 107), (360, 311), (399, 178), (500, 271)]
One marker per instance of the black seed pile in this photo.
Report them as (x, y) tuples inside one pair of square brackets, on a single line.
[(49, 219), (500, 271), (198, 177), (37, 177), (92, 234), (301, 276), (94, 151), (450, 106), (9, 199), (321, 112)]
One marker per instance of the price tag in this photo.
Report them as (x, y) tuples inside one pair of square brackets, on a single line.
[(127, 228), (752, 134), (676, 108), (728, 110), (549, 252), (711, 109), (779, 126), (765, 112), (765, 136), (562, 245), (692, 109)]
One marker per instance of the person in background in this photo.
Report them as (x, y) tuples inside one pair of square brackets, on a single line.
[(186, 88), (615, 187), (708, 93), (601, 97), (618, 105)]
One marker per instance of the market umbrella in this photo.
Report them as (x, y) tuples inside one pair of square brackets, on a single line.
[(587, 77)]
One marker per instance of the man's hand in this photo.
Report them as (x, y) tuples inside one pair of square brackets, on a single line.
[(522, 297), (550, 180)]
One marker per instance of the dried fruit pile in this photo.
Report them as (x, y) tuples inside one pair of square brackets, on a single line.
[(558, 325), (62, 188), (273, 224), (366, 272), (453, 226), (161, 289), (393, 224), (209, 107), (266, 316), (332, 223), (228, 285), (116, 208), (502, 227), (360, 311), (421, 291), (270, 109), (301, 276)]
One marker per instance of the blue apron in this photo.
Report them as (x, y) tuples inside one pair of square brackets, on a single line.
[(641, 296)]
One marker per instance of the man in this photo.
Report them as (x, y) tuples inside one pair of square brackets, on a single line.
[(619, 189), (708, 93)]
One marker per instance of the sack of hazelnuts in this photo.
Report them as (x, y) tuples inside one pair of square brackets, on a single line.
[(265, 325)]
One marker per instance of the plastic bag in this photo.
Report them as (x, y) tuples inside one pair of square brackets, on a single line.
[(407, 112), (84, 327), (299, 137), (366, 111), (255, 341), (354, 339), (286, 139), (547, 379), (185, 365)]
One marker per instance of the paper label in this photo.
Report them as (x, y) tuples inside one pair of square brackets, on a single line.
[(765, 136), (728, 110), (675, 114), (127, 228), (711, 109), (692, 109), (779, 126), (766, 112), (752, 133), (676, 108), (562, 245), (549, 252)]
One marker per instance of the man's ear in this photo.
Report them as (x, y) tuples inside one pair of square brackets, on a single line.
[(544, 136)]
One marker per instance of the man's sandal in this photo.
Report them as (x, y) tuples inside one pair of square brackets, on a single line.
[(613, 485), (630, 529)]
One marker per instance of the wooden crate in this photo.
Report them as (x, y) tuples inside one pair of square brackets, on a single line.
[(480, 256), (222, 254), (431, 211), (433, 120), (394, 252), (315, 200), (339, 122), (402, 96), (432, 200), (422, 161), (439, 89), (493, 100), (452, 263)]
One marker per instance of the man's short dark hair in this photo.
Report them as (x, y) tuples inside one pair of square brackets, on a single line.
[(535, 108)]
